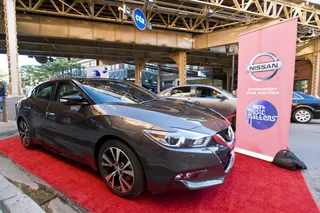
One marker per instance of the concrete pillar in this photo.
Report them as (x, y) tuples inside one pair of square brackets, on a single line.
[(12, 47), (138, 74), (158, 78), (181, 60)]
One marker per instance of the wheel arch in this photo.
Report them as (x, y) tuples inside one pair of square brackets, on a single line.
[(104, 139), (302, 107)]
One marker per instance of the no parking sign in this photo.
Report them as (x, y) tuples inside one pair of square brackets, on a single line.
[(265, 82)]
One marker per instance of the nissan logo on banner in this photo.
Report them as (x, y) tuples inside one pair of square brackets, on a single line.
[(266, 70)]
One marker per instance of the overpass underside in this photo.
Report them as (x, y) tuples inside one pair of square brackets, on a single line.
[(184, 32)]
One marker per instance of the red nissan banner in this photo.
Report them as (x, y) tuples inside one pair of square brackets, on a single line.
[(265, 84)]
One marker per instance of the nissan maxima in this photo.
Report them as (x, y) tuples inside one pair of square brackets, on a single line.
[(135, 139)]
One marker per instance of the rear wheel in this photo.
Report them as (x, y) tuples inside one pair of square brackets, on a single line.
[(302, 116), (25, 135), (121, 169)]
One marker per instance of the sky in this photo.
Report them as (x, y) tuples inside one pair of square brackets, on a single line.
[(23, 60)]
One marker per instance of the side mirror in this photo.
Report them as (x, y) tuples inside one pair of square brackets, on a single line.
[(222, 97), (73, 100)]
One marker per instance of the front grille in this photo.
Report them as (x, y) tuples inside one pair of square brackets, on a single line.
[(226, 163), (225, 135)]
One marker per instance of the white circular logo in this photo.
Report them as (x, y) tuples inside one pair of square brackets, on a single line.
[(264, 71)]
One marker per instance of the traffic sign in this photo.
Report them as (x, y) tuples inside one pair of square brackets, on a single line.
[(139, 19)]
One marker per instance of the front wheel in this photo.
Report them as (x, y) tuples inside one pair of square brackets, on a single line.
[(121, 169), (302, 116)]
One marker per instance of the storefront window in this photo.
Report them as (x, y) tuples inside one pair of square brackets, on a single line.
[(301, 86)]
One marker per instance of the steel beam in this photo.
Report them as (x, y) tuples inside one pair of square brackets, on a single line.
[(36, 25), (228, 36)]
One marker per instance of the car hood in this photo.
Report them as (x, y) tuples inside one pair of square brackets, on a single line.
[(169, 114)]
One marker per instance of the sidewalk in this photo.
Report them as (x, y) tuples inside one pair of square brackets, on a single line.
[(13, 200), (21, 191), (7, 129)]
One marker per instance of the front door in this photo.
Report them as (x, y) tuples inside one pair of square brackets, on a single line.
[(67, 123), (183, 93)]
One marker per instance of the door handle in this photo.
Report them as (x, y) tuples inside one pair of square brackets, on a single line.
[(50, 114)]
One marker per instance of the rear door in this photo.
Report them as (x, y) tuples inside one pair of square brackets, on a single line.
[(35, 108), (67, 123)]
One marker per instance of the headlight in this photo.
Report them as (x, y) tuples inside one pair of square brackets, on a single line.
[(179, 138)]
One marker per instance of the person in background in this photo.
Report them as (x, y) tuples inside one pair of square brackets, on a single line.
[(2, 94)]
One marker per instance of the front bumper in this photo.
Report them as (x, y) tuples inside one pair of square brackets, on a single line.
[(162, 165), (199, 184)]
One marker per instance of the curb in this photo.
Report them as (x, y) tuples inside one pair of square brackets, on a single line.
[(12, 200)]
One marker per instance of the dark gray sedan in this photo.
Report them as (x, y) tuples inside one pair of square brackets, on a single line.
[(217, 99), (135, 139)]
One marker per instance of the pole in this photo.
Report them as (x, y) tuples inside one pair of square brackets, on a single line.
[(12, 47), (232, 76), (4, 110), (158, 78)]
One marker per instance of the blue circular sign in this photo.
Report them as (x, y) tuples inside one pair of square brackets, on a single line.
[(139, 19), (95, 74), (105, 70), (261, 114)]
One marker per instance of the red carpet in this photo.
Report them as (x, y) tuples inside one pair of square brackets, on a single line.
[(253, 186)]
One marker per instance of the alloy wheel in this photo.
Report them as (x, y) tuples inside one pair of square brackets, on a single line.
[(118, 169), (303, 116), (24, 133)]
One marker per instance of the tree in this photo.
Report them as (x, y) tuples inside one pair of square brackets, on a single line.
[(3, 77), (60, 68)]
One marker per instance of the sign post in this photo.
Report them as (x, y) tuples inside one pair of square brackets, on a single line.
[(265, 82)]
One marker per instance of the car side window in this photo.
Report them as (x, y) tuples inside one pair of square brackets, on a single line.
[(67, 89), (204, 92), (44, 91), (181, 92)]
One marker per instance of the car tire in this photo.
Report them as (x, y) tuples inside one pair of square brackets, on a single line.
[(25, 134), (128, 184), (302, 115)]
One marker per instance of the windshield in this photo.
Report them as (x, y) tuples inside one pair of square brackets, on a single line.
[(229, 94), (116, 92)]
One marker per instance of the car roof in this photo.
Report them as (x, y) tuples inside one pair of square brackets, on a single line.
[(84, 79)]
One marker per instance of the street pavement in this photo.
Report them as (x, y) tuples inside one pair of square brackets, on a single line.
[(304, 141)]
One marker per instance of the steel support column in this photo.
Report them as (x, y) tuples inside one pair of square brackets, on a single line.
[(316, 69), (229, 75), (158, 78), (12, 47), (314, 58), (181, 60), (139, 63)]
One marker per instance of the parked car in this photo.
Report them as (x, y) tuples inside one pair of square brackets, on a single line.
[(217, 99), (134, 138), (305, 107)]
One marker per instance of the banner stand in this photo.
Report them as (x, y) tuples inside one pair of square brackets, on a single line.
[(254, 154), (265, 85)]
